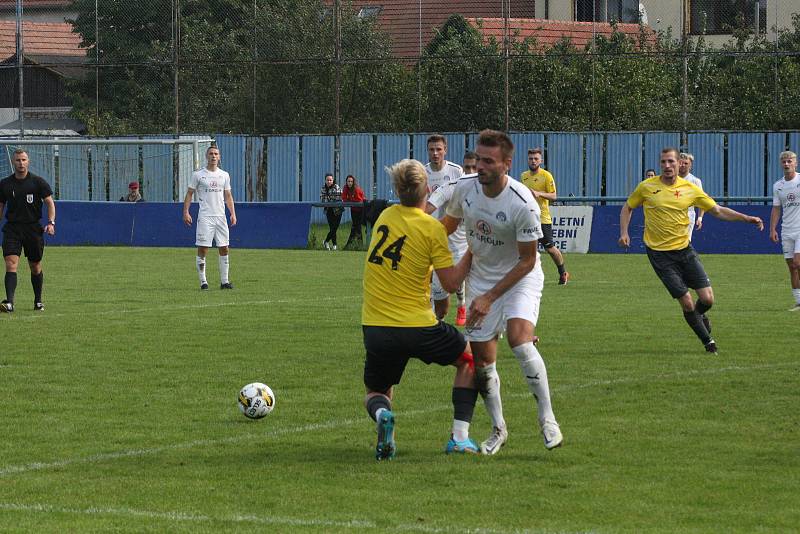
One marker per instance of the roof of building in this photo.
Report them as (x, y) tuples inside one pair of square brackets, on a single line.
[(40, 39), (549, 32), (412, 24)]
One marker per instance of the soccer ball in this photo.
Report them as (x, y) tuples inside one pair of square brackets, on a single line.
[(256, 400)]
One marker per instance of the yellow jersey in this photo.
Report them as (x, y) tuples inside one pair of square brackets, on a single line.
[(666, 221), (542, 181), (406, 245)]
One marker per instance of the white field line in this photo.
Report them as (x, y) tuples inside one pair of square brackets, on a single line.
[(340, 423), (186, 516), (190, 517), (123, 311)]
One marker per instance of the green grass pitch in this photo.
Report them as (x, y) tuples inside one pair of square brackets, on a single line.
[(119, 405)]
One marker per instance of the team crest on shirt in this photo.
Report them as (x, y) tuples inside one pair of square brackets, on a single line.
[(29, 198), (212, 183), (790, 197), (501, 216), (484, 233)]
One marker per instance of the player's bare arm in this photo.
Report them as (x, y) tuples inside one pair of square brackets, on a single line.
[(187, 201), (774, 217), (552, 197), (51, 216), (482, 304), (450, 223), (229, 203), (727, 214), (624, 221), (452, 277)]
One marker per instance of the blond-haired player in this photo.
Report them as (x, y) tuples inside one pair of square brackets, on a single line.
[(786, 208), (396, 316)]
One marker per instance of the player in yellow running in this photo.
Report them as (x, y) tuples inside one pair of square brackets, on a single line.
[(666, 199), (543, 187), (397, 320)]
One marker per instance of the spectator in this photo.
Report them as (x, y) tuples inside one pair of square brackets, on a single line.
[(331, 192), (133, 194), (353, 193)]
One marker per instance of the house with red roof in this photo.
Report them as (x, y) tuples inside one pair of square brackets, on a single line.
[(52, 53)]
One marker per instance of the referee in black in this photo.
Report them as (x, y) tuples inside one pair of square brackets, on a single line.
[(24, 193)]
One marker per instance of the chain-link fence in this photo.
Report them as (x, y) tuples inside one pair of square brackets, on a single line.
[(108, 67)]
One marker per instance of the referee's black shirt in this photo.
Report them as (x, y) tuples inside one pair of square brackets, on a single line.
[(24, 198)]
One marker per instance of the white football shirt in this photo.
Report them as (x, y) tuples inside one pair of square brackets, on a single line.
[(449, 173), (209, 187), (786, 194), (457, 241), (694, 180), (495, 225)]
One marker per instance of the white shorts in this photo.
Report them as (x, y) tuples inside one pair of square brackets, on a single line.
[(437, 293), (210, 229), (519, 302), (791, 244)]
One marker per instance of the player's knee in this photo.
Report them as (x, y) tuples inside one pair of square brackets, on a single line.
[(466, 360)]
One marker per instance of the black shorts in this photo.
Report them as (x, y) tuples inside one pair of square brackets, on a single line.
[(390, 348), (547, 240), (23, 236), (679, 270)]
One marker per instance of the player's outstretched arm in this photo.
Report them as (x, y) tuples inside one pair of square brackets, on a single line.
[(451, 278), (727, 214), (187, 201), (450, 223), (624, 221)]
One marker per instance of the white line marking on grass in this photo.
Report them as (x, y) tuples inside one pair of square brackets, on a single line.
[(340, 423), (187, 516), (354, 524), (151, 309)]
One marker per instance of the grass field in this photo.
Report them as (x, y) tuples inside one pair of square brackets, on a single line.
[(119, 405)]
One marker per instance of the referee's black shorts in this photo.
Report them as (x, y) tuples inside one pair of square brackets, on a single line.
[(24, 236), (390, 348), (679, 270)]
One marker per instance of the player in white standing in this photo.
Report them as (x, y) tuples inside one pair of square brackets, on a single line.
[(440, 173), (685, 162), (786, 207), (212, 186), (504, 285)]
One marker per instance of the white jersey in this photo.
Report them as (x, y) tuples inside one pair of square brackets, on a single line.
[(495, 225), (209, 187), (457, 241), (440, 184), (786, 194), (694, 180)]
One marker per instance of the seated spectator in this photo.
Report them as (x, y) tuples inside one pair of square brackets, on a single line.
[(133, 194)]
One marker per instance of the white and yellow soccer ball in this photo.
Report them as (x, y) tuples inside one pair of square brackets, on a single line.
[(256, 400)]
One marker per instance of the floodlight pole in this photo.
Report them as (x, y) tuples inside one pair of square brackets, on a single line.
[(20, 70)]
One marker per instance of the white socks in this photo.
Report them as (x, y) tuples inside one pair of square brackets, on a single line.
[(796, 293), (489, 387), (201, 269), (460, 294), (535, 373), (460, 430), (224, 265)]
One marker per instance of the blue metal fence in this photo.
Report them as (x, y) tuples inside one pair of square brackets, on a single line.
[(291, 168)]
